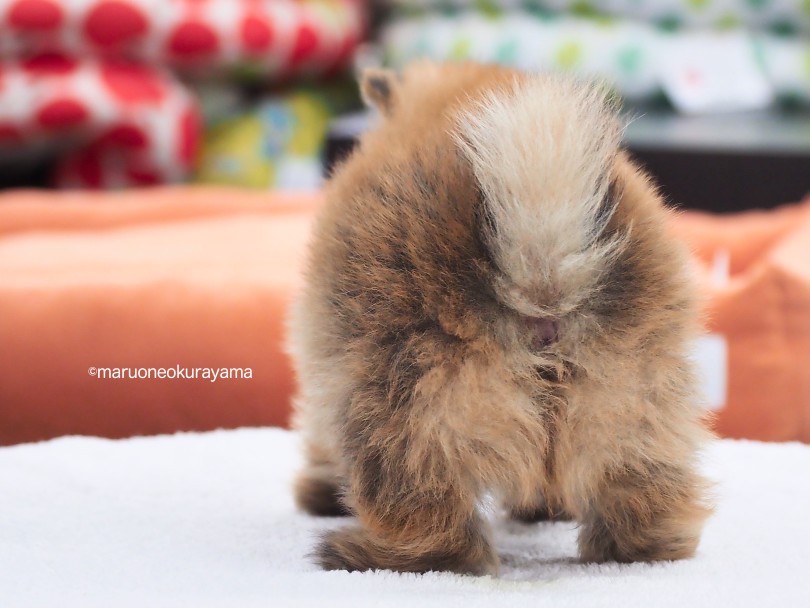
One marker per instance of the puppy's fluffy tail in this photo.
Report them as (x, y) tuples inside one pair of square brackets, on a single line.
[(542, 151)]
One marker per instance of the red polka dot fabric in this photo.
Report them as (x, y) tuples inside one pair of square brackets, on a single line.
[(128, 124), (96, 76), (268, 38)]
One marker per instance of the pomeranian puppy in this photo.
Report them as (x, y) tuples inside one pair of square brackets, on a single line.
[(494, 307)]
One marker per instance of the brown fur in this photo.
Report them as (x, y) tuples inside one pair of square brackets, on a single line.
[(422, 388)]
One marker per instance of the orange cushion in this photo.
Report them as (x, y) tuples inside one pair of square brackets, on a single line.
[(157, 278), (763, 313)]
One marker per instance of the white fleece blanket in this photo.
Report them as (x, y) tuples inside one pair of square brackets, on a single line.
[(198, 520)]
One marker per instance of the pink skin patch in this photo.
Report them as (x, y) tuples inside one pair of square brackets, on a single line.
[(543, 331), (35, 15), (113, 23)]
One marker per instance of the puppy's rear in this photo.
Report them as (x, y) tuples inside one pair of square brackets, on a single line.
[(492, 305)]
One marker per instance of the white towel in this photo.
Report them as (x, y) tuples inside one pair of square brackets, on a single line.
[(199, 520)]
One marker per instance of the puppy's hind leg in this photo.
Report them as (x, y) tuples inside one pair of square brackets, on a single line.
[(645, 511), (409, 528), (416, 510), (319, 486)]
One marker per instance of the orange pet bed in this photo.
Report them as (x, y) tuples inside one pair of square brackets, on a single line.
[(195, 278), (199, 279)]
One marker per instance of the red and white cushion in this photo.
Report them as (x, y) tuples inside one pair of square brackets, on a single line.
[(121, 123), (271, 38)]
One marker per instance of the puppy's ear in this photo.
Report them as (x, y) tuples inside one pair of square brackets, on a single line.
[(378, 88)]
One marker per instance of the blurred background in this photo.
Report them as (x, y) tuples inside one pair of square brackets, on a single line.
[(161, 161)]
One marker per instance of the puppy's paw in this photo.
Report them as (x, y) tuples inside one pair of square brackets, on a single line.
[(351, 549), (538, 514), (599, 544), (344, 550), (319, 496)]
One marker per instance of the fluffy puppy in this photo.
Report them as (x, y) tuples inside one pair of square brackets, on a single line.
[(492, 305)]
